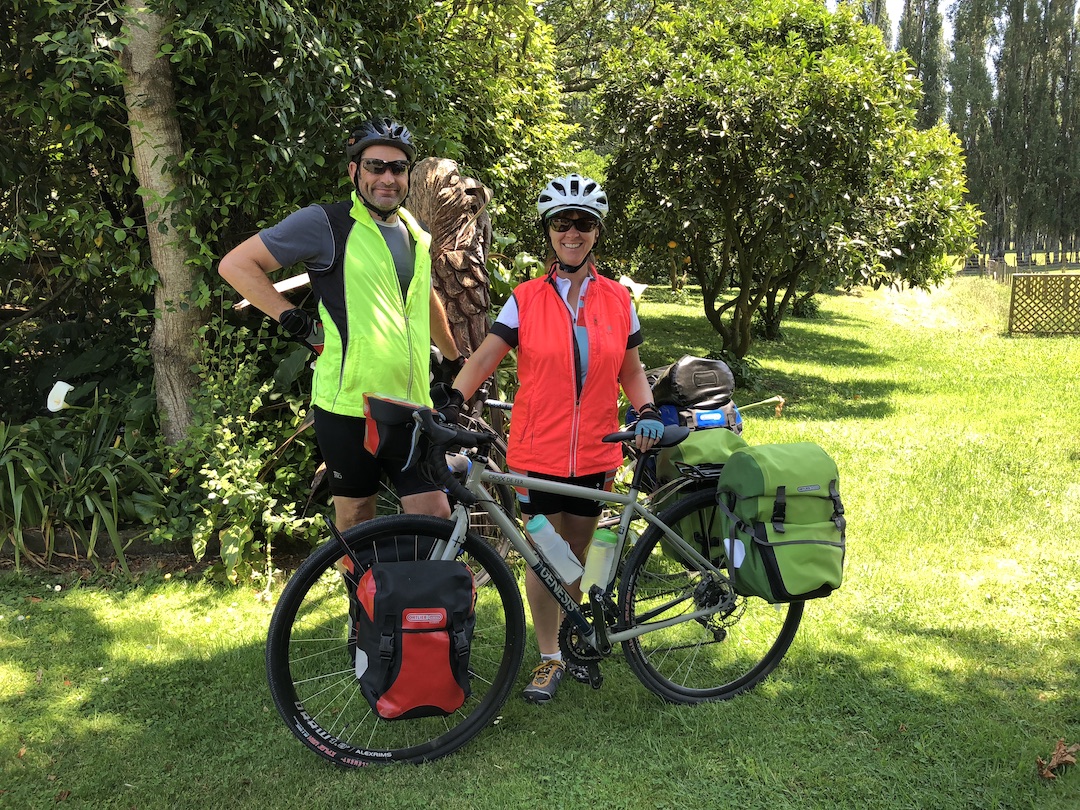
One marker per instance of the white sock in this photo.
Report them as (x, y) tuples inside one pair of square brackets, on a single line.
[(553, 657)]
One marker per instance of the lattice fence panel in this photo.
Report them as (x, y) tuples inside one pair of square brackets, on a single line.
[(1047, 304)]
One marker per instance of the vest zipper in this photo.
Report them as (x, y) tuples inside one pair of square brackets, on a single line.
[(409, 344), (405, 316), (575, 423)]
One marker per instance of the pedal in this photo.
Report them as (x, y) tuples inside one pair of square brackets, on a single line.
[(596, 677)]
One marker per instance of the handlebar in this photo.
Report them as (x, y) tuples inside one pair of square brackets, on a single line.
[(673, 434), (440, 438)]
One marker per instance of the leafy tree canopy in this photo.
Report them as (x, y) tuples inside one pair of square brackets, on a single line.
[(775, 145), (265, 92)]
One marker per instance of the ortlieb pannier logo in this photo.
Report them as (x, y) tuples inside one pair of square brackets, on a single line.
[(810, 488), (415, 617)]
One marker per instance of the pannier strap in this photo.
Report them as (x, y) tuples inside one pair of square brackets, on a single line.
[(779, 512), (838, 506), (386, 639), (386, 647), (461, 641)]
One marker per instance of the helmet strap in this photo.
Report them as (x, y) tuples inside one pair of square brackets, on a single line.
[(571, 269)]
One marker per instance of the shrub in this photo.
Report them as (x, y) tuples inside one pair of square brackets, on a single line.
[(222, 492), (86, 470)]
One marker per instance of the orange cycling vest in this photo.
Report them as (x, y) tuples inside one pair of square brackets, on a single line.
[(557, 429)]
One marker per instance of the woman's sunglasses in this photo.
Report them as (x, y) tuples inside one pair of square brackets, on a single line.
[(583, 225), (376, 166)]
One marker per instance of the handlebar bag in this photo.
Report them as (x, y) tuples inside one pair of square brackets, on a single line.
[(693, 382), (413, 630), (388, 425), (784, 525)]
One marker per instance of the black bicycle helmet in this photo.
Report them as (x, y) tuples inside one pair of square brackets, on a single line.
[(380, 132)]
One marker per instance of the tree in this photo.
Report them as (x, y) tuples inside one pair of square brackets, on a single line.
[(872, 12), (264, 93), (971, 100), (921, 36), (157, 149), (777, 146)]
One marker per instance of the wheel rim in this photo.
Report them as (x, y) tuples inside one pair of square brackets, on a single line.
[(312, 677), (714, 658)]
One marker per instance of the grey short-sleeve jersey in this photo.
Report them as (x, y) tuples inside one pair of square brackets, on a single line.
[(303, 236)]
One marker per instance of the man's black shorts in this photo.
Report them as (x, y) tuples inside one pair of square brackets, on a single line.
[(351, 470)]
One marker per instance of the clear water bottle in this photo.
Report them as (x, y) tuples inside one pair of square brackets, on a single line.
[(555, 551), (598, 563)]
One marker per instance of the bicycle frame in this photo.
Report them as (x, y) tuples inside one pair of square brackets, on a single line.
[(632, 509)]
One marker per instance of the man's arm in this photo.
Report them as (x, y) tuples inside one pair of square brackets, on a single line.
[(440, 329), (245, 268)]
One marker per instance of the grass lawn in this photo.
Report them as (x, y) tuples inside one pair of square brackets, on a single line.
[(947, 663)]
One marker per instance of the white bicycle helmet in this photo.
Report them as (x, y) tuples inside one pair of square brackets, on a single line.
[(572, 192)]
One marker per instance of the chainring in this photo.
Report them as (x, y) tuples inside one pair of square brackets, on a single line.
[(573, 646)]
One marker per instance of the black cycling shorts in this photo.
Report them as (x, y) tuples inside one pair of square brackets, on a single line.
[(534, 502), (351, 470)]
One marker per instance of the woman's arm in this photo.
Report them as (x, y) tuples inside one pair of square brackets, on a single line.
[(482, 365), (633, 381)]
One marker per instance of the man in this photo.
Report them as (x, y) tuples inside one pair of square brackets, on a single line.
[(377, 313)]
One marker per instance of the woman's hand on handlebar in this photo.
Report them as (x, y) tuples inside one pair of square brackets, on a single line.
[(648, 429)]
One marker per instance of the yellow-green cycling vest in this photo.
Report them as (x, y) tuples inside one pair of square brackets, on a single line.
[(375, 341)]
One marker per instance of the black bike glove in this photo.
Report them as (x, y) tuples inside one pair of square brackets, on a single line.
[(447, 401), (451, 368), (301, 327)]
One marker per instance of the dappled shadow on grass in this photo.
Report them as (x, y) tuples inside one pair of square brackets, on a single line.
[(190, 725), (934, 716), (100, 722), (811, 396)]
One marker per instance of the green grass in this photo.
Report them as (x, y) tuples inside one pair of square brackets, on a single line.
[(946, 664)]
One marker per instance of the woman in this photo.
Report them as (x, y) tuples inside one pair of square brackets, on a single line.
[(577, 337)]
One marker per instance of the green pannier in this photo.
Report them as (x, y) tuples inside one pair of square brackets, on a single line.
[(784, 525), (705, 450), (700, 455)]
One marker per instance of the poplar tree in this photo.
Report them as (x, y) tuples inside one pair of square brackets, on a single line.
[(921, 36)]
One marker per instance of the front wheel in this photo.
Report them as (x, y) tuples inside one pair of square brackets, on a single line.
[(309, 657), (712, 658)]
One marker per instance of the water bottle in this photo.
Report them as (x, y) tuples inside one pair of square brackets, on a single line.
[(598, 563), (555, 551)]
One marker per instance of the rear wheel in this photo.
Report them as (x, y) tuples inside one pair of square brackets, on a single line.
[(715, 657), (310, 667)]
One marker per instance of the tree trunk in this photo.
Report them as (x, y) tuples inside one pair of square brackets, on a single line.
[(155, 138)]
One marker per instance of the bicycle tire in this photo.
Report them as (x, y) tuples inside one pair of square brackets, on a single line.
[(310, 671), (709, 659)]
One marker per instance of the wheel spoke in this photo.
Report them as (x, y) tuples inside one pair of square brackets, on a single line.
[(312, 677)]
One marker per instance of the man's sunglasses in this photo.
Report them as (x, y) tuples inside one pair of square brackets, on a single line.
[(583, 225), (376, 166)]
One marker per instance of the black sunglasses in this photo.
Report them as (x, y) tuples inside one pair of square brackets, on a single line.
[(376, 166), (583, 225)]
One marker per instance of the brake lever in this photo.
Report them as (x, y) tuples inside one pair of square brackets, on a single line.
[(414, 444)]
